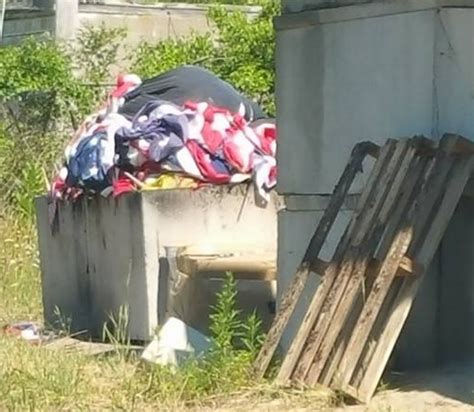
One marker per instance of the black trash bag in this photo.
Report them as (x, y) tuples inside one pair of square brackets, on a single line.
[(190, 83)]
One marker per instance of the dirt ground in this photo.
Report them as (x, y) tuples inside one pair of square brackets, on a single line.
[(445, 390)]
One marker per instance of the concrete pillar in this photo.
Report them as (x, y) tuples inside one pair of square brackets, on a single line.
[(67, 19), (352, 70)]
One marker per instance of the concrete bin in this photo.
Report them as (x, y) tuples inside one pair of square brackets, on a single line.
[(108, 254)]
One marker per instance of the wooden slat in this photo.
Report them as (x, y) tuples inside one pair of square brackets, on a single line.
[(332, 362), (329, 375), (408, 267), (451, 190), (440, 169), (351, 282), (291, 296), (250, 267), (393, 252), (329, 276), (436, 175), (374, 302), (379, 243), (355, 260), (455, 144)]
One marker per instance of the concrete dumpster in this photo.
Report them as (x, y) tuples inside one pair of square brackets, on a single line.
[(108, 254)]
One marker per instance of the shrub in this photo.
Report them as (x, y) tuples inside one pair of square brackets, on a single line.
[(241, 51), (226, 368), (45, 89)]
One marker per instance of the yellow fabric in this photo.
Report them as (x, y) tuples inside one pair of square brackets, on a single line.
[(168, 181)]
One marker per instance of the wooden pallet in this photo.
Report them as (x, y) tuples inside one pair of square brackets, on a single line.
[(367, 289), (258, 265)]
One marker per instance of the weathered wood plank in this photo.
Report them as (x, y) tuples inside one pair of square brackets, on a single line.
[(329, 375), (293, 293), (374, 302), (352, 262), (297, 345), (443, 211), (249, 266), (392, 248), (351, 287), (408, 267), (374, 246), (435, 175)]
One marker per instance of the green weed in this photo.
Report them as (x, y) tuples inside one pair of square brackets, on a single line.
[(52, 88)]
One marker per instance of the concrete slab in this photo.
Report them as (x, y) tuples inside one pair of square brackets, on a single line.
[(330, 10)]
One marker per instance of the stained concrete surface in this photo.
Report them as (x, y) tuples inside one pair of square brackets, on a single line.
[(294, 6), (442, 390), (107, 254)]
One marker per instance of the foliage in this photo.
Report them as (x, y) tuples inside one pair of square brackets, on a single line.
[(97, 51), (39, 66), (25, 159), (35, 65), (45, 68), (225, 319), (241, 51), (225, 2), (42, 96), (48, 88), (226, 367), (152, 59), (33, 378), (20, 287)]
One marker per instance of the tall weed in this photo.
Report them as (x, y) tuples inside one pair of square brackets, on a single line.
[(225, 369)]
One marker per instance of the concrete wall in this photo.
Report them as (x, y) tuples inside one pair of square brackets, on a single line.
[(370, 72), (294, 6), (146, 23), (342, 82), (454, 71), (152, 23), (142, 22), (456, 309), (108, 253), (20, 24), (98, 261)]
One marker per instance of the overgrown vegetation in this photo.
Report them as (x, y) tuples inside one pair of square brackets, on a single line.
[(33, 378), (240, 52), (45, 89)]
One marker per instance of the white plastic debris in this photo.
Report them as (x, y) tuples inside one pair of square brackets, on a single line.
[(28, 331), (175, 343)]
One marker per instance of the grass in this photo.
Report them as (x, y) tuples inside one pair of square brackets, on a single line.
[(40, 379), (20, 286), (36, 378)]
